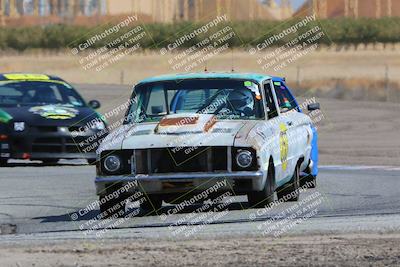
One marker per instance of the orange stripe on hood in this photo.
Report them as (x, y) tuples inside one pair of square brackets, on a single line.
[(178, 121)]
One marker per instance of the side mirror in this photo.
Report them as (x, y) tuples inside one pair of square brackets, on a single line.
[(94, 104), (313, 106)]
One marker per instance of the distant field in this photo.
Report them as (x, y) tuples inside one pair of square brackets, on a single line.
[(353, 74)]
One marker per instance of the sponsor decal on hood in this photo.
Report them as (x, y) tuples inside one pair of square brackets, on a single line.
[(55, 112)]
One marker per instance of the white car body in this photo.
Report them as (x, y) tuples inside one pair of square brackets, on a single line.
[(286, 139)]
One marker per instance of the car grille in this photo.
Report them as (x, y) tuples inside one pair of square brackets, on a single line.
[(75, 128), (182, 159), (47, 129), (76, 145), (47, 145), (61, 144)]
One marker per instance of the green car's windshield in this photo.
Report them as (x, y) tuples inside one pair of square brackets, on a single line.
[(225, 98), (31, 93)]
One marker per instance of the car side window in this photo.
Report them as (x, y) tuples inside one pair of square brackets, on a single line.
[(285, 100), (271, 108)]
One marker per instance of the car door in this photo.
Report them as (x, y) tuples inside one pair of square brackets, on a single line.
[(290, 131), (314, 142), (277, 140)]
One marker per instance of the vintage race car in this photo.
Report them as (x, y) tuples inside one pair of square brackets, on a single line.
[(185, 133), (42, 117)]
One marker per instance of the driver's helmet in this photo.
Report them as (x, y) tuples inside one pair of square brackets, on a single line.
[(240, 100)]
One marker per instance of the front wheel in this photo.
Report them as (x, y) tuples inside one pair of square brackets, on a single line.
[(112, 207), (290, 191), (91, 161), (50, 161), (151, 203), (3, 162), (261, 199)]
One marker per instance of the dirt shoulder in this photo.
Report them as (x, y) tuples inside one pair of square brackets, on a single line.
[(316, 250), (359, 133)]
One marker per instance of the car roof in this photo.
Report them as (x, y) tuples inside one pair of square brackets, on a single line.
[(210, 75), (20, 76)]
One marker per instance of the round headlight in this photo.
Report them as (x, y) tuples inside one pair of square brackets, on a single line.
[(112, 163), (244, 158)]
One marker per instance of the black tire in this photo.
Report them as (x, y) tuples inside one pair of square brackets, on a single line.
[(310, 181), (261, 199), (3, 162), (114, 207), (92, 161), (290, 191), (50, 161), (151, 204)]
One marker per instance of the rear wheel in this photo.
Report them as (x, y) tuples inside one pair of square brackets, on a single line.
[(260, 199), (290, 191), (309, 180)]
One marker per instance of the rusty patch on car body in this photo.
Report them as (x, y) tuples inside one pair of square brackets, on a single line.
[(180, 121), (209, 124)]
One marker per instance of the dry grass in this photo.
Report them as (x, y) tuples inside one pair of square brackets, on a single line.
[(328, 72)]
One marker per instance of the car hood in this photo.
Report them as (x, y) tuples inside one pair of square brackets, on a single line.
[(49, 115), (205, 131)]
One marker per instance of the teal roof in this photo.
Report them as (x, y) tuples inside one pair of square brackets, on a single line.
[(209, 75)]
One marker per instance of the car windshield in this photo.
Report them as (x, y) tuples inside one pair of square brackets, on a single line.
[(30, 93), (225, 98)]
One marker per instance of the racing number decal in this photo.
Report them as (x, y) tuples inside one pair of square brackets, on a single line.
[(284, 145)]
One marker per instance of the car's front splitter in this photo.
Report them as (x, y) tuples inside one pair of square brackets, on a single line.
[(245, 181)]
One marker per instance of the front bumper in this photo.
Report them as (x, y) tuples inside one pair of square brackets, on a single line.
[(57, 143), (239, 182)]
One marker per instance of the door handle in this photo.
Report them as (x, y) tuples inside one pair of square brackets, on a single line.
[(289, 123)]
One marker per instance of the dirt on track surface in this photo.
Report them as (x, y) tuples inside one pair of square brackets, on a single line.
[(359, 133), (332, 250)]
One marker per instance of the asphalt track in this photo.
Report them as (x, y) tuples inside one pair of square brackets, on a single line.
[(40, 201)]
